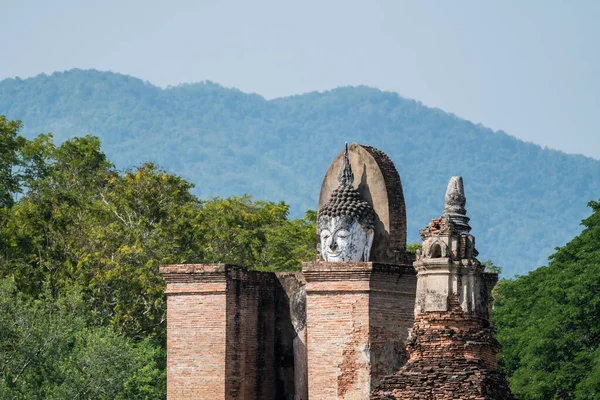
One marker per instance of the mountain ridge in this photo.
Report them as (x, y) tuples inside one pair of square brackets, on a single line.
[(209, 82), (524, 200)]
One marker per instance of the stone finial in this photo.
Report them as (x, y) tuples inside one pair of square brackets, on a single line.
[(454, 205), (346, 177), (455, 196)]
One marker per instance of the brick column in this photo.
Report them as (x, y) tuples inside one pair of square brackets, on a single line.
[(196, 331), (220, 332), (358, 315)]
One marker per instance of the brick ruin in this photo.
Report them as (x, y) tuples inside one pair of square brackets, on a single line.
[(234, 333), (392, 327), (451, 344), (358, 315)]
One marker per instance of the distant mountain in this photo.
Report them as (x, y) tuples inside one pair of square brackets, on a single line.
[(523, 200)]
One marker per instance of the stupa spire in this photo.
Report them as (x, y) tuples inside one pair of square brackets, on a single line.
[(346, 177), (454, 204)]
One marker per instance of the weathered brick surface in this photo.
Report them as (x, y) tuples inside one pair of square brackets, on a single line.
[(220, 332), (340, 330), (452, 356), (358, 315), (391, 314), (235, 334), (249, 362), (397, 232), (290, 336), (196, 331)]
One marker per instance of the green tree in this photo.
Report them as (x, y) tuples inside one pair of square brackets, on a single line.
[(257, 234), (79, 257), (289, 243), (50, 349), (413, 247), (81, 222), (10, 160), (22, 161), (489, 266), (548, 322)]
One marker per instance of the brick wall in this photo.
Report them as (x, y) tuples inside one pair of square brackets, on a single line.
[(220, 332), (250, 327), (452, 351), (196, 331), (354, 331), (391, 314)]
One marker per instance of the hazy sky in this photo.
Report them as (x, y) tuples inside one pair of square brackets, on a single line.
[(530, 68)]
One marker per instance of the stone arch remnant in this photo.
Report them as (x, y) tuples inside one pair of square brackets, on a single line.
[(378, 182)]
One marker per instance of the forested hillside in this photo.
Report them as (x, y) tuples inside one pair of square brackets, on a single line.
[(523, 200)]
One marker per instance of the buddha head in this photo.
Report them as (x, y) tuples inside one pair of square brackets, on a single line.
[(346, 222)]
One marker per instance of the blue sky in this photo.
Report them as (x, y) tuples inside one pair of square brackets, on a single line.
[(530, 68)]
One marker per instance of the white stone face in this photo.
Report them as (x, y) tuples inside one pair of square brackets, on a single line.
[(344, 239)]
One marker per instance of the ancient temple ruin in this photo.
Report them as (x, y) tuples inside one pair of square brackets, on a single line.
[(366, 320), (451, 344)]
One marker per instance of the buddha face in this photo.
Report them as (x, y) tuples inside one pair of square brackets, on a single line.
[(344, 239)]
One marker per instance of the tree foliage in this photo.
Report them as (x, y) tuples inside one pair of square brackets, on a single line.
[(257, 234), (51, 349), (549, 322), (413, 247), (79, 224), (489, 266)]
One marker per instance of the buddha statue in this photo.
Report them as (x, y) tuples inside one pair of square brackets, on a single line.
[(346, 222)]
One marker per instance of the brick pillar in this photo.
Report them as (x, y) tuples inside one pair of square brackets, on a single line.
[(220, 332), (358, 315)]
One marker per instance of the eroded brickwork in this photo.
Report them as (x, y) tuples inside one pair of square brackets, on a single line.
[(452, 356), (452, 346), (358, 315), (391, 313), (340, 330), (397, 233)]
